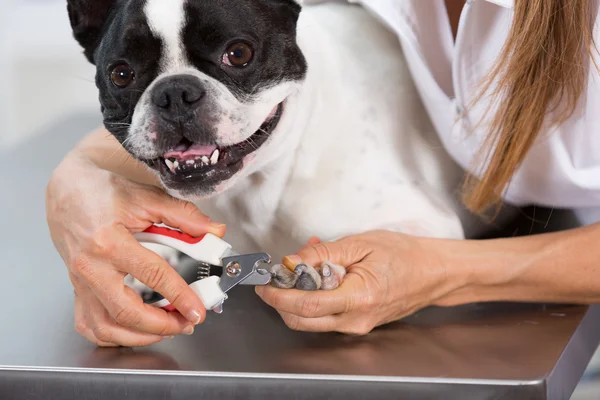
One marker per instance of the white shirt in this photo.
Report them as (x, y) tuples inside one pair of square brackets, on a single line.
[(562, 170)]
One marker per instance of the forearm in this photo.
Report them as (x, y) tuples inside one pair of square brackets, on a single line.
[(102, 149), (562, 267)]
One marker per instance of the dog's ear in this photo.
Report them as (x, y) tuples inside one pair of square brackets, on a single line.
[(294, 5), (88, 18)]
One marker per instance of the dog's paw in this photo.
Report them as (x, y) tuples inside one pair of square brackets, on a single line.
[(327, 276), (331, 274), (283, 278), (308, 278)]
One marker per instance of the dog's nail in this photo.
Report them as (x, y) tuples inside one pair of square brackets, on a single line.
[(292, 261), (283, 278)]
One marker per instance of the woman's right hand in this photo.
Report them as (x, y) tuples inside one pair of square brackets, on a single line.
[(92, 215)]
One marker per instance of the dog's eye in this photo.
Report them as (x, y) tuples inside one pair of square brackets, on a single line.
[(122, 76), (238, 55)]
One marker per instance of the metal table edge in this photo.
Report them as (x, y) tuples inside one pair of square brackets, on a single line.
[(270, 376), (571, 365)]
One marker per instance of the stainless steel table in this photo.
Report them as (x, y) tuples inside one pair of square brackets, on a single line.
[(481, 351)]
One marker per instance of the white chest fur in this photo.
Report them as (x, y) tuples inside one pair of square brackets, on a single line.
[(366, 156)]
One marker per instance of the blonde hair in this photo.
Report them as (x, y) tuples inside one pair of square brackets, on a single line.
[(542, 69)]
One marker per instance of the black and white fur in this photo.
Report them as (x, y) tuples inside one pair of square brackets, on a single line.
[(352, 148)]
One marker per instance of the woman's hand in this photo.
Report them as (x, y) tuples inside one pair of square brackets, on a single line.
[(92, 215), (389, 276)]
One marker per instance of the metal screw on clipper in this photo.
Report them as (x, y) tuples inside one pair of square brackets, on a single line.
[(233, 269)]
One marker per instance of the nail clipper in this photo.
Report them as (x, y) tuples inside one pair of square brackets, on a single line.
[(219, 268)]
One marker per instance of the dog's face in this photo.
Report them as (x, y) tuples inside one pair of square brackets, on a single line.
[(196, 89)]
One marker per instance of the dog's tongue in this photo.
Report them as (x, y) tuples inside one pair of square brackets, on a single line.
[(182, 152)]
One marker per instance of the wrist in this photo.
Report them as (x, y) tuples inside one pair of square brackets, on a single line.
[(485, 270), (102, 150), (77, 159)]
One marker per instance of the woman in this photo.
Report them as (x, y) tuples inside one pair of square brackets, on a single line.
[(519, 79)]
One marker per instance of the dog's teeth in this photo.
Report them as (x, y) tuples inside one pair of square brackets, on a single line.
[(205, 160), (176, 164), (215, 157), (190, 162), (170, 165)]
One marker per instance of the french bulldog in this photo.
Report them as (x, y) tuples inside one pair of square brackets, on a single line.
[(281, 119)]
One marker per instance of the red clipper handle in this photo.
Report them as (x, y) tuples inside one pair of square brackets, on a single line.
[(175, 234), (206, 248)]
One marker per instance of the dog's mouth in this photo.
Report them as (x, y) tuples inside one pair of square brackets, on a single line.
[(189, 162)]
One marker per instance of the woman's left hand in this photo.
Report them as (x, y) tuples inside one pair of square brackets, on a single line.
[(389, 276)]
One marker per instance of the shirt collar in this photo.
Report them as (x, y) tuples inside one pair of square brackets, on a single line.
[(503, 3)]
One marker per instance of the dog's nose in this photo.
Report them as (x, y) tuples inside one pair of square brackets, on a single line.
[(178, 94)]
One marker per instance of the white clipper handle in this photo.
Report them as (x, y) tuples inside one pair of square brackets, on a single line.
[(210, 292), (207, 249)]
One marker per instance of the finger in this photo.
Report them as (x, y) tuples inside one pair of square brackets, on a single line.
[(153, 271), (344, 252), (291, 262), (78, 286), (125, 306), (90, 314), (315, 304), (182, 215), (82, 325), (348, 324), (313, 240), (127, 309), (322, 324), (89, 335), (108, 332)]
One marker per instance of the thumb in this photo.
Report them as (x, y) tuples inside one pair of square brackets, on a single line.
[(344, 252), (313, 240), (183, 215)]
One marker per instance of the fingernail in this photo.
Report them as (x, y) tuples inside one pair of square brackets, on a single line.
[(188, 330), (194, 317), (292, 261), (216, 225), (170, 337)]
